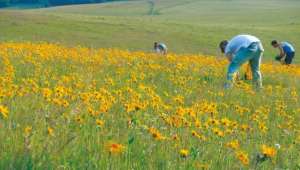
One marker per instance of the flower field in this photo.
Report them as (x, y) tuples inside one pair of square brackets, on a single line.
[(79, 108)]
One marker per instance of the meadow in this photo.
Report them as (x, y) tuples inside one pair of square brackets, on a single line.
[(81, 89), (82, 108), (186, 26)]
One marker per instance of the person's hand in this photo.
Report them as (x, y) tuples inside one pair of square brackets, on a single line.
[(229, 58), (278, 58)]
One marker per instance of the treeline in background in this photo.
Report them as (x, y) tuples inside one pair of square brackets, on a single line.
[(47, 3)]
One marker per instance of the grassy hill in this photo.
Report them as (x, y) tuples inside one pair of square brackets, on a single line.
[(187, 26)]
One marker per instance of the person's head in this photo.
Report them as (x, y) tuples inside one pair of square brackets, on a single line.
[(223, 45), (275, 43), (155, 44)]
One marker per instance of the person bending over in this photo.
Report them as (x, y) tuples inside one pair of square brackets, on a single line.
[(239, 50), (160, 48), (287, 52)]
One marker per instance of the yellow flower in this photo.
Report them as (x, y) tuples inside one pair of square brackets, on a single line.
[(50, 131), (199, 136), (99, 122), (4, 111), (116, 148), (218, 132), (46, 92), (27, 131), (175, 137), (243, 157), (213, 121), (79, 119), (225, 122), (268, 151), (262, 127), (156, 134), (65, 103), (197, 124), (184, 153), (233, 144)]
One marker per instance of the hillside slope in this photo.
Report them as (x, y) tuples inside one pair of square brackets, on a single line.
[(187, 26)]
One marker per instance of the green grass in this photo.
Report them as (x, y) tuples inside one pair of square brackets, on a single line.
[(187, 26)]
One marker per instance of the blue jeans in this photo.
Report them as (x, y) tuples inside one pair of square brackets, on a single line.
[(289, 58), (253, 54)]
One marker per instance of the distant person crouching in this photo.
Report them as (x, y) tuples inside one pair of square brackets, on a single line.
[(160, 48), (287, 52)]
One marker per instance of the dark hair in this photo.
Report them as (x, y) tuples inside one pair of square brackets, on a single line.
[(274, 42), (223, 45)]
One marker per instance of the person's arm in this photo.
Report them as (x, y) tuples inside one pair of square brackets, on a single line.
[(282, 53), (229, 56), (229, 53)]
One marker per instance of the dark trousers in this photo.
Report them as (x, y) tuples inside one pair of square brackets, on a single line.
[(289, 58)]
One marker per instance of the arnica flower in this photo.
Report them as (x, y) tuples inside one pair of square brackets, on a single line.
[(65, 103), (50, 131), (100, 123), (199, 136), (180, 111), (46, 92), (212, 121), (156, 134), (268, 151), (218, 132), (116, 148), (233, 144), (27, 131), (263, 128), (197, 124), (225, 122), (184, 153), (4, 111), (79, 119), (175, 137), (243, 157)]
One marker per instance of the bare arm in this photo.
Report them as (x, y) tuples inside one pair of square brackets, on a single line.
[(282, 53), (229, 57)]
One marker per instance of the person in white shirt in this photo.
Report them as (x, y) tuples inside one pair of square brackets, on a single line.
[(239, 50), (160, 48)]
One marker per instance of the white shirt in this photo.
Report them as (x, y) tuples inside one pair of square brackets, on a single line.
[(161, 47), (238, 42)]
